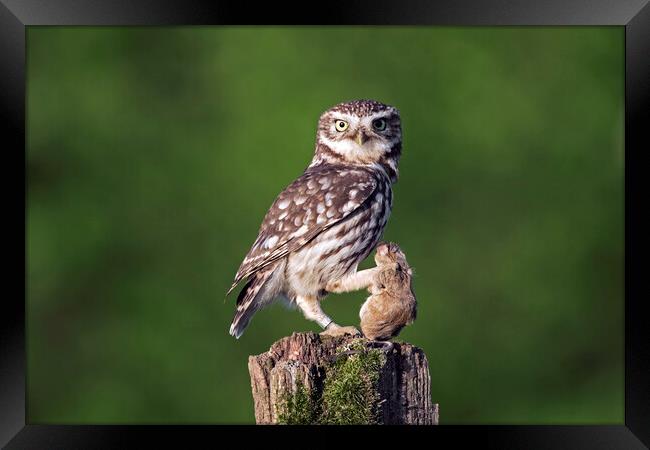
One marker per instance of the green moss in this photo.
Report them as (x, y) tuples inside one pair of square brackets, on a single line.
[(349, 395), (300, 408)]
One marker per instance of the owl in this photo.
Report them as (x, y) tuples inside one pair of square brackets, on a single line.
[(329, 219)]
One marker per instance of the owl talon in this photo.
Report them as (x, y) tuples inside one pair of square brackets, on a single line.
[(333, 286), (334, 330)]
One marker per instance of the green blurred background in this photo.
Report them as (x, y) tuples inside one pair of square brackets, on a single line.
[(153, 154)]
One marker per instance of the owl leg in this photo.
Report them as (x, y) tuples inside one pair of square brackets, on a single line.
[(353, 282), (312, 310)]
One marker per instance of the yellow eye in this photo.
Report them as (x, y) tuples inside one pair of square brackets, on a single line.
[(341, 125)]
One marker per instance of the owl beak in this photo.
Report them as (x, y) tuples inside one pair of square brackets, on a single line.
[(361, 137)]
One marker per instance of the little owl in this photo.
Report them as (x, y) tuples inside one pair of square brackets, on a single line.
[(329, 219)]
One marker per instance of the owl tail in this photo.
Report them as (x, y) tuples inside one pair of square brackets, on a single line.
[(252, 297)]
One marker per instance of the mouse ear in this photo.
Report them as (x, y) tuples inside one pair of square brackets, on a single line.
[(382, 249)]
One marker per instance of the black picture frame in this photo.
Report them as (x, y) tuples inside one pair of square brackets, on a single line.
[(15, 15)]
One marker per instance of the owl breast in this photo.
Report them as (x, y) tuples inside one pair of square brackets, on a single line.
[(338, 251)]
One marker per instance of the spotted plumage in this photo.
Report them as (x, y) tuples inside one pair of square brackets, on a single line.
[(329, 219)]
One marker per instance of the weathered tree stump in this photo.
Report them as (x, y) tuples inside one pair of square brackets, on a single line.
[(308, 378)]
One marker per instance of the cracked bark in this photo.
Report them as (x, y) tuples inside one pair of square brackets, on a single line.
[(404, 385)]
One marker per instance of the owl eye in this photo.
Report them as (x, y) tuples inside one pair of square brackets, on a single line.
[(341, 125), (379, 124)]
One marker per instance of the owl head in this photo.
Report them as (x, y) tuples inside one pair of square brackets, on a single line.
[(360, 132)]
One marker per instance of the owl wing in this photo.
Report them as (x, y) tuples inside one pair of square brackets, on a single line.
[(320, 198)]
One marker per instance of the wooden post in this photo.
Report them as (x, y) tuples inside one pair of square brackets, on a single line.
[(314, 364)]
